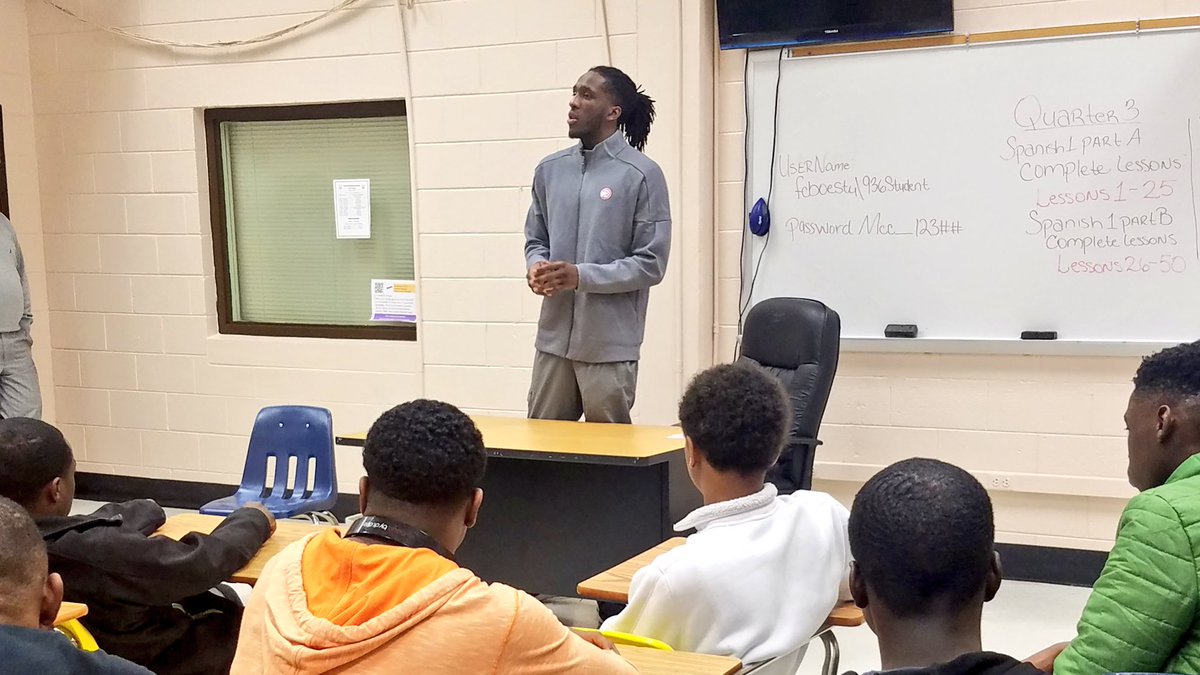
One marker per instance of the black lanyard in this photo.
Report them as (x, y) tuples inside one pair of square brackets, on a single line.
[(396, 533)]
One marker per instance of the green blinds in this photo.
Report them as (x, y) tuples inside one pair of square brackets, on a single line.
[(286, 264)]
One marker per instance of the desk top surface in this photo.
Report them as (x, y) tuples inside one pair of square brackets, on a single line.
[(626, 443), (612, 584), (286, 532), (658, 662)]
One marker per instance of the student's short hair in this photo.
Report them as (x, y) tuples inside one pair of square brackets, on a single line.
[(23, 562), (32, 453), (424, 452), (1174, 371), (922, 536), (737, 417)]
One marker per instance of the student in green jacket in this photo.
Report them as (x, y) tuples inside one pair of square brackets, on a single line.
[(1142, 614)]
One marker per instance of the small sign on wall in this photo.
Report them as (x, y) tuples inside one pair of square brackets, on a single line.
[(352, 208), (394, 300)]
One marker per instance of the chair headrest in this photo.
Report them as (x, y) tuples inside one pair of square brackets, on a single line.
[(790, 332)]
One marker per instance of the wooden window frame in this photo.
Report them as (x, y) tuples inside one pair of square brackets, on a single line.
[(213, 117)]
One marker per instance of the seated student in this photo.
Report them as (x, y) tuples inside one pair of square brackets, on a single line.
[(148, 597), (1142, 614), (763, 571), (922, 536), (388, 596), (29, 601)]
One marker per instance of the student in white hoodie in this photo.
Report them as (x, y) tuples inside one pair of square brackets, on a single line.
[(762, 572)]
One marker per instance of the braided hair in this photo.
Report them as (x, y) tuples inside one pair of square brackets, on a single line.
[(637, 109)]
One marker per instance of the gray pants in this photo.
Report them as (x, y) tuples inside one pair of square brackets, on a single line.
[(20, 395), (563, 389)]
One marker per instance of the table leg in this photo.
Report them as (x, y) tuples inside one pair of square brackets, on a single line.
[(833, 653)]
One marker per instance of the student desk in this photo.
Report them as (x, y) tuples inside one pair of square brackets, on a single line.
[(658, 662), (613, 585), (286, 532), (563, 500)]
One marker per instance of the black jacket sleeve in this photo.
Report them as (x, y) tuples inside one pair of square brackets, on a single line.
[(143, 515), (155, 570)]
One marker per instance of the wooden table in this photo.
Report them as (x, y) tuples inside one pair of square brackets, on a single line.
[(612, 585), (658, 662), (69, 611), (552, 440), (286, 532), (563, 500)]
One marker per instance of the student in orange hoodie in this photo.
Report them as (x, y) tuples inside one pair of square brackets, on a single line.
[(388, 597)]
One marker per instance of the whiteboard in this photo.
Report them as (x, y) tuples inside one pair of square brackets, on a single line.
[(983, 191)]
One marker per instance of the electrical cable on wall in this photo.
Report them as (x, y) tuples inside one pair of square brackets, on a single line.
[(745, 294), (745, 195), (259, 39)]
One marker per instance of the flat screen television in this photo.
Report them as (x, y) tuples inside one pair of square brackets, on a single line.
[(773, 23)]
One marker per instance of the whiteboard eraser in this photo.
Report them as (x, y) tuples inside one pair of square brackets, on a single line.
[(1039, 335), (900, 330)]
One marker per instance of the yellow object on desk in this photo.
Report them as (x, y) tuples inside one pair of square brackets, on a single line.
[(517, 436), (286, 532), (657, 662), (67, 623), (69, 611)]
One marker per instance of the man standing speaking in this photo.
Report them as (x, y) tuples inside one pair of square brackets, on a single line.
[(596, 239)]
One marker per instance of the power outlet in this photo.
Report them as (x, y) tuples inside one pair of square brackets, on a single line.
[(1001, 482)]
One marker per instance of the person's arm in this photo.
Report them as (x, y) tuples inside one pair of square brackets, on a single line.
[(27, 311), (537, 235), (647, 262), (537, 240), (98, 662), (842, 514), (143, 515), (1144, 600), (27, 315), (159, 570), (538, 644), (653, 610)]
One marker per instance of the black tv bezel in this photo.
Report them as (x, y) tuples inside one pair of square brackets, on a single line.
[(859, 32)]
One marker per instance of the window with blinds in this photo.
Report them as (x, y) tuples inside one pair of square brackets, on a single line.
[(281, 270)]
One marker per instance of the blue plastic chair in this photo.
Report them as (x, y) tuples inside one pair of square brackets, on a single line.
[(286, 432)]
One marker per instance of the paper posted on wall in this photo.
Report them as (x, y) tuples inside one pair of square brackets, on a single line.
[(352, 208), (394, 300)]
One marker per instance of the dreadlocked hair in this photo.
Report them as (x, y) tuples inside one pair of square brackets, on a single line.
[(637, 109)]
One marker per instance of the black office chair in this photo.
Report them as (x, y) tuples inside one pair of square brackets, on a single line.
[(798, 341)]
